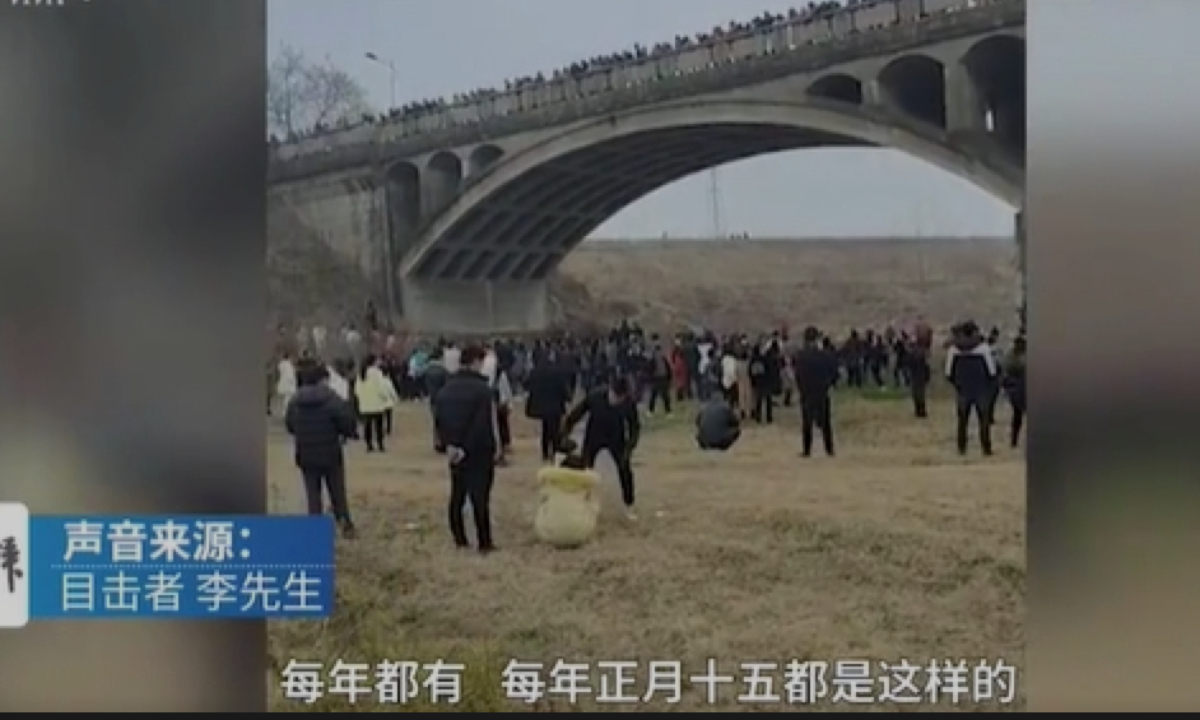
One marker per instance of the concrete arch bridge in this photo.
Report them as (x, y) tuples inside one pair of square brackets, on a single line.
[(463, 212)]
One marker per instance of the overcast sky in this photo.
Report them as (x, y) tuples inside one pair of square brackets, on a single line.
[(443, 46)]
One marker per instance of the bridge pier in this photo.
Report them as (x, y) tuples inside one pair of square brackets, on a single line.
[(473, 307), (966, 111), (1019, 234)]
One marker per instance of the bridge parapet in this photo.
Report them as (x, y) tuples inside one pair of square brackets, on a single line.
[(734, 62)]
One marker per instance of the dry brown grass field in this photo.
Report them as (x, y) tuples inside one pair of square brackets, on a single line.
[(733, 285), (837, 284), (896, 549)]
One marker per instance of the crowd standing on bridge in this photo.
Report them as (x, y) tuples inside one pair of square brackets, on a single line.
[(811, 13), (344, 388)]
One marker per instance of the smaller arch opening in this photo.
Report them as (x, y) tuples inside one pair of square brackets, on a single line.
[(916, 86), (839, 87), (482, 159), (996, 66), (443, 178)]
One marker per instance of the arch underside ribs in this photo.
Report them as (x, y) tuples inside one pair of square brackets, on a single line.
[(966, 116), (524, 229)]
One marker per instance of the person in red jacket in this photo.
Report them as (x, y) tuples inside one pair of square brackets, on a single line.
[(679, 374)]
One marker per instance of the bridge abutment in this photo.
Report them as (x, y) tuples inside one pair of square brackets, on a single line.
[(472, 307)]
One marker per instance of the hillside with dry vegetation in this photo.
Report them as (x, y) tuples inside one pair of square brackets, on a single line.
[(725, 285), (307, 282), (749, 284)]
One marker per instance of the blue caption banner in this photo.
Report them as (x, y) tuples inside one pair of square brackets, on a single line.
[(220, 567)]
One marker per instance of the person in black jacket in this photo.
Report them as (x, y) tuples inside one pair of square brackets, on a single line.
[(1014, 388), (658, 377), (971, 369), (435, 379), (761, 389), (816, 371), (918, 374), (465, 420), (319, 422), (613, 425), (548, 391)]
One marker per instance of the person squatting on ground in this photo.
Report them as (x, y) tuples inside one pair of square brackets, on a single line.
[(971, 369), (548, 388), (717, 425), (375, 395), (816, 371), (613, 425), (320, 422), (465, 416)]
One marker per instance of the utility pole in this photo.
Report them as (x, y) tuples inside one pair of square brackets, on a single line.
[(381, 199), (716, 205), (922, 258)]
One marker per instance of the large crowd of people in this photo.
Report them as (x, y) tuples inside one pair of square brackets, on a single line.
[(345, 386), (812, 13)]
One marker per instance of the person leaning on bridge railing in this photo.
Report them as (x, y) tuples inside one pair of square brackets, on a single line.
[(413, 118)]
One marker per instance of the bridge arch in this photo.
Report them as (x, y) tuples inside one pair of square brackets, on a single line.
[(444, 176), (996, 67), (481, 159), (837, 86), (916, 86), (519, 220)]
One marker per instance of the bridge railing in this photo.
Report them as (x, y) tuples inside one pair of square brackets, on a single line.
[(715, 55)]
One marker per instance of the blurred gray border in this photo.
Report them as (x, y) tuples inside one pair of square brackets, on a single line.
[(1114, 455), (132, 316)]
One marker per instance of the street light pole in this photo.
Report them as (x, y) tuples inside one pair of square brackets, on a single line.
[(391, 66), (380, 203)]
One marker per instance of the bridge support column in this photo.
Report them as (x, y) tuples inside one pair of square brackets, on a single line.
[(403, 220), (966, 110), (466, 307), (1019, 234), (872, 94)]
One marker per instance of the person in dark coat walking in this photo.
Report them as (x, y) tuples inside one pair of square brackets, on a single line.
[(920, 373), (435, 379), (1014, 389), (658, 375), (816, 371), (320, 422), (763, 384), (548, 388), (465, 416), (971, 369)]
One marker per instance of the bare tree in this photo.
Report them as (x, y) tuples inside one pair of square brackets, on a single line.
[(302, 93)]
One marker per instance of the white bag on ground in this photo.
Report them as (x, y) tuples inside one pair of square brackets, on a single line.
[(569, 506)]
